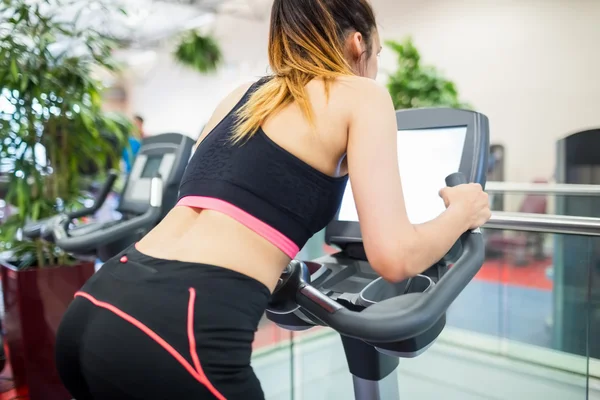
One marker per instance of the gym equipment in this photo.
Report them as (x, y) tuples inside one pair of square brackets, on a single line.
[(39, 229), (156, 172), (576, 259), (522, 248), (380, 321), (496, 174)]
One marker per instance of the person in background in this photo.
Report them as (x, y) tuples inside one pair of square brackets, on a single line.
[(135, 142), (139, 124)]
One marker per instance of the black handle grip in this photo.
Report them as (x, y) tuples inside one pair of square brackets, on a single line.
[(452, 180), (455, 179), (91, 241), (100, 198), (85, 243), (43, 228), (34, 230)]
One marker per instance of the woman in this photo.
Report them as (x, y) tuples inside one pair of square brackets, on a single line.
[(175, 316)]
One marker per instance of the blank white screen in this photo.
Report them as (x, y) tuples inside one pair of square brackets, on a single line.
[(426, 157)]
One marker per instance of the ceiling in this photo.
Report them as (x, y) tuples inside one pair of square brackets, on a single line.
[(147, 21)]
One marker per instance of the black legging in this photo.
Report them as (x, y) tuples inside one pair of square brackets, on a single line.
[(144, 328)]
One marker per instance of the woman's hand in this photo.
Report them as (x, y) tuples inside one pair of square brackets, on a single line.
[(471, 201)]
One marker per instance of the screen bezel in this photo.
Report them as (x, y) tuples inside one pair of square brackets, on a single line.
[(473, 162), (162, 144), (151, 158)]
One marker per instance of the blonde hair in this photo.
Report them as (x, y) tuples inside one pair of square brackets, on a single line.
[(306, 41)]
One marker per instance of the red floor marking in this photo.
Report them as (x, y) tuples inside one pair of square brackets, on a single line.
[(531, 276), (329, 249)]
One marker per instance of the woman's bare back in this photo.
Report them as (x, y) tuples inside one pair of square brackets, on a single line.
[(210, 237)]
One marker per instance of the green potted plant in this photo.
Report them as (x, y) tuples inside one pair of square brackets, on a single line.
[(415, 85), (52, 130)]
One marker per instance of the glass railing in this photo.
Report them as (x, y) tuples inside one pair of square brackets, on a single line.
[(527, 327), (539, 306)]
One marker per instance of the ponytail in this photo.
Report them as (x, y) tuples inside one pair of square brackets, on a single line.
[(306, 41)]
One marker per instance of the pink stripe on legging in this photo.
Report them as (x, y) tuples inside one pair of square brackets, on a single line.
[(196, 372), (271, 234)]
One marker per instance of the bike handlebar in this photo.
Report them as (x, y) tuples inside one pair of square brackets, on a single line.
[(402, 317), (89, 242), (43, 228), (100, 197)]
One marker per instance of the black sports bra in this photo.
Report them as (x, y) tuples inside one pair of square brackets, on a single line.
[(261, 185)]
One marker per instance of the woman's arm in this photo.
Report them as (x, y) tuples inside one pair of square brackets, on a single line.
[(395, 247)]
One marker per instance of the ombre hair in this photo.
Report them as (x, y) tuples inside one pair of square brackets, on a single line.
[(307, 40)]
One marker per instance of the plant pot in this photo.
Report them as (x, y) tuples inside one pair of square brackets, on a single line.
[(35, 301)]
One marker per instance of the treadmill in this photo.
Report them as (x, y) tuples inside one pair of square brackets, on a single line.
[(150, 192), (379, 321)]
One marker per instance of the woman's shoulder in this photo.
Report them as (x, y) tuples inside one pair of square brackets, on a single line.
[(358, 86), (240, 90), (352, 93), (234, 96)]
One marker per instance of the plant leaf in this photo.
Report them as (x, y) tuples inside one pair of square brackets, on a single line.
[(415, 85), (198, 52), (55, 104)]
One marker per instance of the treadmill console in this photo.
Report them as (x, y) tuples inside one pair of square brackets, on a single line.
[(150, 192), (166, 155), (436, 148)]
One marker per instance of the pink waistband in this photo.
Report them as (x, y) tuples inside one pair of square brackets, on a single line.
[(271, 234)]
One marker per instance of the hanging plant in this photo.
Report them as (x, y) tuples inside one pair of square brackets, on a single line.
[(199, 52)]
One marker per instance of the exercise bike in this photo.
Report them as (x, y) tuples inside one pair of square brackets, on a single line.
[(150, 192), (379, 321)]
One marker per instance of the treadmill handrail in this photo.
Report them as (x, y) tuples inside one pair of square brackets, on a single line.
[(85, 243), (402, 317), (37, 229), (100, 197)]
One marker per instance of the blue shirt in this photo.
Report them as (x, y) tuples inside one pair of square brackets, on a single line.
[(130, 152)]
